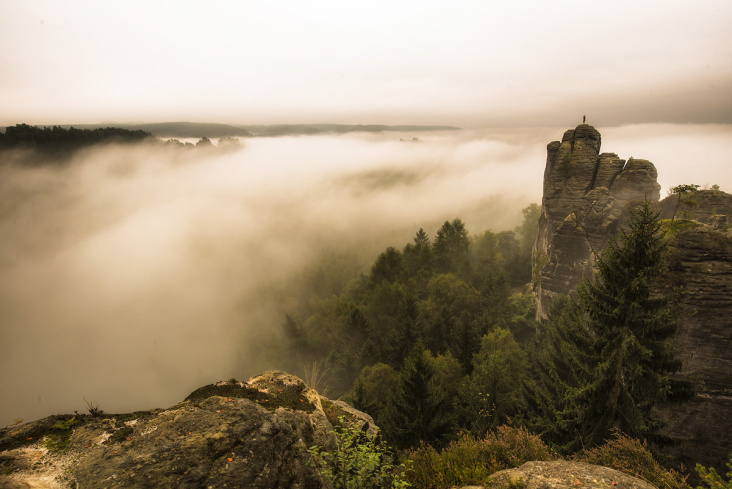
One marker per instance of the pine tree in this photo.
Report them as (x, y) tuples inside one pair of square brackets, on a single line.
[(417, 411), (451, 248), (613, 361), (633, 331), (561, 363)]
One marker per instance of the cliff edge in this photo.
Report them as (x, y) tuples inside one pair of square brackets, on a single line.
[(250, 434)]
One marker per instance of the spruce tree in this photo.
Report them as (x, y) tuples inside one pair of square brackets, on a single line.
[(417, 411), (613, 361)]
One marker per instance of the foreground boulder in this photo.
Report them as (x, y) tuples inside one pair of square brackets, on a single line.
[(231, 434), (565, 475)]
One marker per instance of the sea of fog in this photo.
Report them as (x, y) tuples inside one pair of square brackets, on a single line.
[(131, 276)]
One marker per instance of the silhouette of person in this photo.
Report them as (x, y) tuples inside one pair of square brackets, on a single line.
[(584, 118)]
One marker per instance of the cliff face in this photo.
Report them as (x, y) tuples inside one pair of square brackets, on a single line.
[(701, 262), (585, 199), (230, 434)]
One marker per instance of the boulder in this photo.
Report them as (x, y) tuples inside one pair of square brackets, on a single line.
[(251, 434), (562, 474)]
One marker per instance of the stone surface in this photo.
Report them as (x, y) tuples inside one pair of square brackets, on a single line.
[(586, 199), (701, 262), (230, 434), (566, 475), (708, 203)]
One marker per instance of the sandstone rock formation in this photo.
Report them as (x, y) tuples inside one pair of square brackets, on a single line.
[(586, 195), (230, 434), (586, 200)]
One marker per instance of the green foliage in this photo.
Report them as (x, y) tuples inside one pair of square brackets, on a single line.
[(469, 460), (684, 193), (633, 457), (417, 410), (60, 434), (373, 388), (388, 266), (359, 461), (451, 248), (494, 390), (447, 294), (712, 479)]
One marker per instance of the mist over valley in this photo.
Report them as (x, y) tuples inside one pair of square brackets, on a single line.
[(133, 274)]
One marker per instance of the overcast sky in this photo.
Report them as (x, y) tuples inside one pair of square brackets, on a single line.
[(467, 63)]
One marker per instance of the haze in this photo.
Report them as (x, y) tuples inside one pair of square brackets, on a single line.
[(131, 277)]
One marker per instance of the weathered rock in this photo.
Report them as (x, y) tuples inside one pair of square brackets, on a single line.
[(586, 197), (566, 475), (230, 434), (708, 203), (701, 262)]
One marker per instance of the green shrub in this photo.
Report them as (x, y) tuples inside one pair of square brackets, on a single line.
[(632, 456), (711, 478), (468, 460), (359, 461), (60, 435)]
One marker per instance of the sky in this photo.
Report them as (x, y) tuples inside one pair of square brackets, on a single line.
[(469, 63)]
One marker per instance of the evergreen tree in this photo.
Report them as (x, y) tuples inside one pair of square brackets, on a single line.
[(562, 362), (388, 266), (493, 391), (451, 248), (613, 362), (634, 329), (417, 411)]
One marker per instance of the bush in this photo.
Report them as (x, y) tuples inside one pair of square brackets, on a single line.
[(632, 456), (711, 478), (359, 461), (468, 460)]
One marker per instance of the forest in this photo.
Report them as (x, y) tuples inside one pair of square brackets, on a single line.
[(439, 340)]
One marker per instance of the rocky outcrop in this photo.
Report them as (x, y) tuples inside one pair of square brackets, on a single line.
[(701, 262), (586, 200), (562, 474), (586, 196), (707, 205), (229, 434)]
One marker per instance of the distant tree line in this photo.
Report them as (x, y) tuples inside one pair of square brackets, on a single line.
[(57, 144), (57, 140)]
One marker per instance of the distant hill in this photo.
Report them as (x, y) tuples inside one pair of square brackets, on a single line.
[(179, 129), (213, 130), (312, 129)]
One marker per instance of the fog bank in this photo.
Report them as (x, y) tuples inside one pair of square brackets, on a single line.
[(134, 275)]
